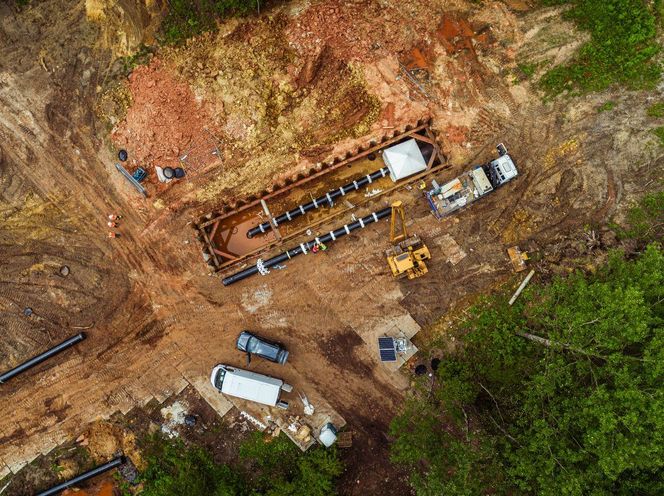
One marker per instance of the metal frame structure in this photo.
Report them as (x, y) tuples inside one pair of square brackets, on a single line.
[(207, 225)]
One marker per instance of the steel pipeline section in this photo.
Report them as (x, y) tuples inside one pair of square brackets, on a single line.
[(327, 199), (305, 247)]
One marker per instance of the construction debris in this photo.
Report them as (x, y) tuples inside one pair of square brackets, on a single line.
[(518, 258), (521, 287), (308, 407)]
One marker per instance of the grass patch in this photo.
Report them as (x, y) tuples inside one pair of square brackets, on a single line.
[(187, 18), (528, 70), (605, 107), (645, 220), (656, 110), (621, 48), (659, 132)]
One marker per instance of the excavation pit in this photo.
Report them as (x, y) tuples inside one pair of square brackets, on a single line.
[(226, 238)]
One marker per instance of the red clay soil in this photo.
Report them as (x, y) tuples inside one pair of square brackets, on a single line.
[(351, 30), (164, 120), (105, 487), (456, 134)]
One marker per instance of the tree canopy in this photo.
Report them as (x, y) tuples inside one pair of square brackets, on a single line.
[(561, 393)]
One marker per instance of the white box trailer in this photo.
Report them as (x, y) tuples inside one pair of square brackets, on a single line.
[(249, 385)]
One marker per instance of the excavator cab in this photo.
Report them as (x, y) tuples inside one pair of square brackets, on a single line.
[(407, 254)]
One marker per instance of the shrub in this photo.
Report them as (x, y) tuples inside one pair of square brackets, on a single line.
[(605, 107)]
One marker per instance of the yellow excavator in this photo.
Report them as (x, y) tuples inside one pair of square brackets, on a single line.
[(407, 254)]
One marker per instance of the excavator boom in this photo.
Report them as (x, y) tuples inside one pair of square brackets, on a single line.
[(398, 217)]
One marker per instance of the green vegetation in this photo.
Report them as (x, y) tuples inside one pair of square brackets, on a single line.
[(141, 57), (528, 70), (621, 48), (656, 110), (176, 469), (562, 393), (605, 107), (659, 132), (187, 18), (274, 468), (645, 220)]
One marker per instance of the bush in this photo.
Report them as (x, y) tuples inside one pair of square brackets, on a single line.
[(621, 48), (282, 469), (659, 132), (273, 467), (605, 107), (175, 469)]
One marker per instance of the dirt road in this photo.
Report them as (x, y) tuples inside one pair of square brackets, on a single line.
[(156, 319)]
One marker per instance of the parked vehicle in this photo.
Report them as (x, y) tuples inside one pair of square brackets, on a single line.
[(249, 385), (471, 185), (256, 345)]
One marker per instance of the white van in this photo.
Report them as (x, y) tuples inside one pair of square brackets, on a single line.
[(249, 385)]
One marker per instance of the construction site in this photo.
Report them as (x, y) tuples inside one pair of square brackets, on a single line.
[(339, 178)]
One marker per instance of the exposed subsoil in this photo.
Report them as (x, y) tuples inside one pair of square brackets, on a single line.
[(277, 100)]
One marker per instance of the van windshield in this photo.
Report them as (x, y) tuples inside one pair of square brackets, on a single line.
[(220, 378)]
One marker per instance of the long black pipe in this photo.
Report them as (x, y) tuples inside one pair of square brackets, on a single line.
[(41, 357), (115, 462), (327, 199), (307, 246)]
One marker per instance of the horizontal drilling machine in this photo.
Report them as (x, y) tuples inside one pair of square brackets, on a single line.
[(407, 254)]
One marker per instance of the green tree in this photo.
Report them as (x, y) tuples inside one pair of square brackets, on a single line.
[(560, 394)]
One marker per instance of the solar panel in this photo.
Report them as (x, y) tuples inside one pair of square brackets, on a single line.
[(387, 349)]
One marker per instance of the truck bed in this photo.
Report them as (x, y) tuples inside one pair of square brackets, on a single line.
[(453, 195)]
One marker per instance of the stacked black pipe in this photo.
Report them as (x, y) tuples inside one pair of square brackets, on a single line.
[(306, 247), (114, 463), (326, 199)]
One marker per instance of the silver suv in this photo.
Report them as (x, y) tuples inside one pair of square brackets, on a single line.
[(255, 345)]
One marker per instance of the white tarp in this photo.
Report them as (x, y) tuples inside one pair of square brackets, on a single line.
[(404, 159)]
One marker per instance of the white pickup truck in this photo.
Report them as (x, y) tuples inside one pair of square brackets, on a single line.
[(249, 385)]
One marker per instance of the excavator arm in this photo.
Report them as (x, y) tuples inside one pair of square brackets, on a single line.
[(398, 217)]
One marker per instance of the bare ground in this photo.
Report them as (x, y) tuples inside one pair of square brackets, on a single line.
[(157, 321)]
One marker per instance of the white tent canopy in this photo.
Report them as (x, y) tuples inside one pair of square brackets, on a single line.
[(404, 159)]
